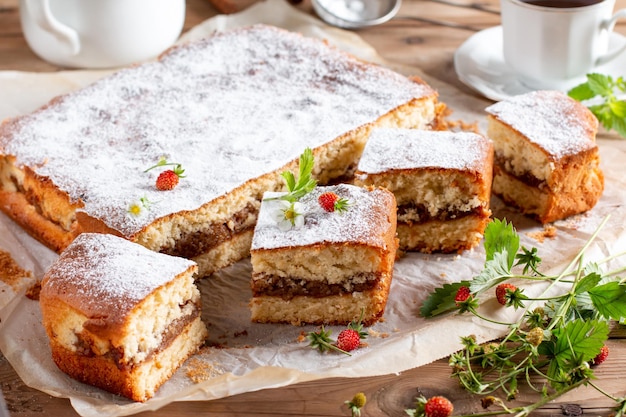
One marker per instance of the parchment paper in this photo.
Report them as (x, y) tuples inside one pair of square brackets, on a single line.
[(245, 356)]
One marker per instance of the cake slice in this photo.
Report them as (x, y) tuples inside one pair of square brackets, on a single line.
[(234, 110), (441, 181), (119, 316), (332, 268), (546, 157)]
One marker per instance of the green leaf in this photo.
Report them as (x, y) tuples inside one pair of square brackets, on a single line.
[(305, 183), (619, 125), (442, 299), (501, 236), (600, 84), (610, 300), (290, 180), (588, 282), (576, 340), (496, 270), (581, 92), (618, 107)]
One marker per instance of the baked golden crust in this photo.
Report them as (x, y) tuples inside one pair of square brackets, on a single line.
[(547, 162)]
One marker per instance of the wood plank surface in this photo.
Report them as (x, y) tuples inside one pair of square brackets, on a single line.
[(424, 34)]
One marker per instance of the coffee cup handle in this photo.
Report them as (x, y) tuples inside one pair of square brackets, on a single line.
[(40, 11), (608, 26)]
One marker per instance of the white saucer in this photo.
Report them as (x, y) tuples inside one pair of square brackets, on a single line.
[(479, 63)]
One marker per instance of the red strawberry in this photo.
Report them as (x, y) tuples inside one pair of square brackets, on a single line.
[(462, 294), (601, 357), (438, 407), (167, 180), (330, 202), (501, 291), (348, 340)]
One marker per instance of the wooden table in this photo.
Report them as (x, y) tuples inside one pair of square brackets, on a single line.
[(425, 34)]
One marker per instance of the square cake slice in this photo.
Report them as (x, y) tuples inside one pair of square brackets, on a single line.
[(330, 269), (546, 157), (441, 181), (119, 316)]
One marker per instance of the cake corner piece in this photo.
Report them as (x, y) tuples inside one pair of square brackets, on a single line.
[(119, 316)]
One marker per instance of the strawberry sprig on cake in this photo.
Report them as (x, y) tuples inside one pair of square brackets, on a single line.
[(291, 212), (168, 179)]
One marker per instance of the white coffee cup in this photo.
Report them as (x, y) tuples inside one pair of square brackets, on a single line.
[(100, 33), (547, 44)]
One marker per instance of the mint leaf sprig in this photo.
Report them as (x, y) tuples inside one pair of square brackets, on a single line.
[(601, 92), (552, 347)]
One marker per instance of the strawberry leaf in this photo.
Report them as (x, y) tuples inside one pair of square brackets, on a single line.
[(442, 299), (576, 341), (305, 184), (610, 299), (501, 236), (496, 270)]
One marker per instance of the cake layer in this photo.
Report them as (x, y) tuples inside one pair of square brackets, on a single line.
[(331, 309), (234, 109), (139, 382), (444, 236)]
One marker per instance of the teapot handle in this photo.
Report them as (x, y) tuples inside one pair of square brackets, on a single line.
[(40, 10), (608, 26)]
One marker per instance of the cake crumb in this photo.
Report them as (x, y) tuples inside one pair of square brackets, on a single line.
[(10, 272), (549, 231), (301, 337), (199, 371)]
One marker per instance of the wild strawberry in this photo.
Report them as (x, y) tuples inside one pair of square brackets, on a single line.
[(535, 336), (167, 180), (601, 357), (501, 291), (357, 402), (438, 407), (462, 294), (348, 340), (331, 202)]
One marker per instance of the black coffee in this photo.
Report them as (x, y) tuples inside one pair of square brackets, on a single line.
[(562, 4)]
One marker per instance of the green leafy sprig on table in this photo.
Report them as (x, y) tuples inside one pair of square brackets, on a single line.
[(605, 104), (552, 346)]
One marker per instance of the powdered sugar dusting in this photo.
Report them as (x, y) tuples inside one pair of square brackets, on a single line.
[(228, 108), (364, 222), (395, 149), (550, 119), (99, 272)]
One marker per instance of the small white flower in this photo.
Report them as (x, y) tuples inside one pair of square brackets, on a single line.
[(288, 215)]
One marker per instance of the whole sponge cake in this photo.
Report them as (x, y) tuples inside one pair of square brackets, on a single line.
[(546, 158), (119, 316), (234, 109), (441, 181), (333, 268)]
